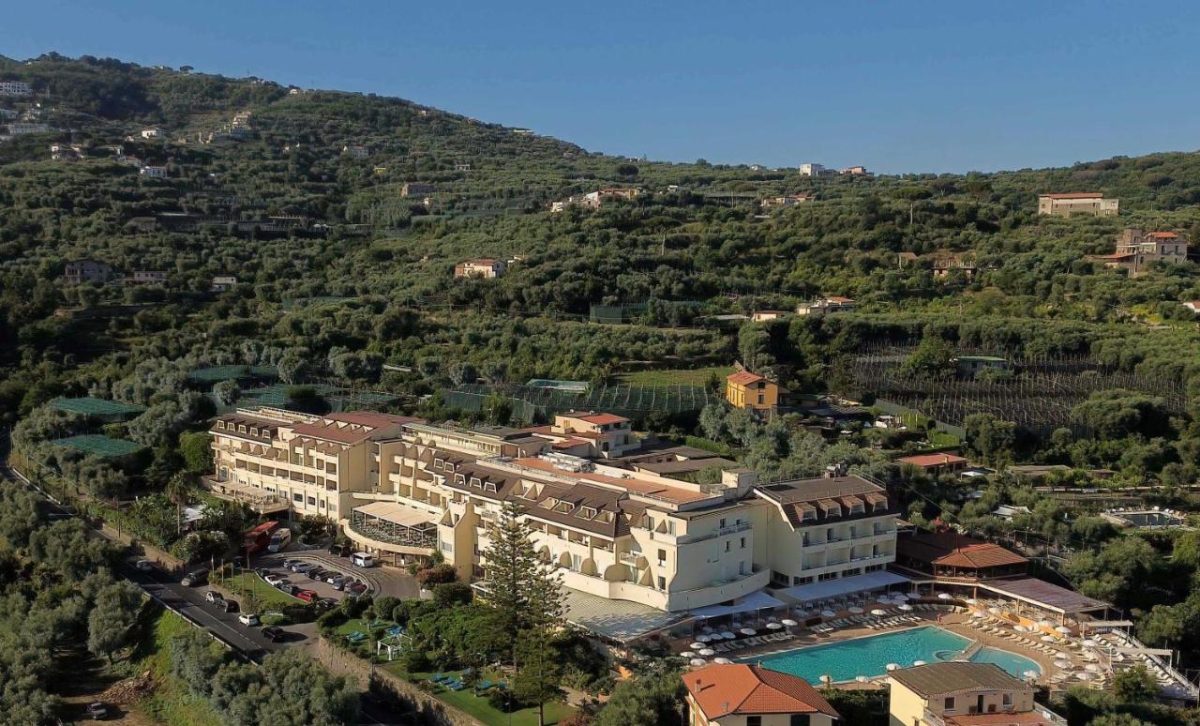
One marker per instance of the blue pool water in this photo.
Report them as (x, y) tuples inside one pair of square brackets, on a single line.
[(870, 656)]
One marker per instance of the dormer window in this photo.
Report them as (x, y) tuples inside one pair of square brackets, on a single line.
[(489, 486), (460, 479), (475, 482), (439, 463), (587, 512)]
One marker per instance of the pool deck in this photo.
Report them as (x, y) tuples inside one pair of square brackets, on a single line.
[(953, 622)]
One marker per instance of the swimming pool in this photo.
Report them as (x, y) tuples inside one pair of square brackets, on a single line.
[(869, 656)]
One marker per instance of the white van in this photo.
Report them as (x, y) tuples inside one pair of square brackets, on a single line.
[(362, 559), (280, 539)]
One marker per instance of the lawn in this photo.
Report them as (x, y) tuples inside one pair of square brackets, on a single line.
[(171, 703), (676, 376), (466, 700), (479, 707), (269, 598)]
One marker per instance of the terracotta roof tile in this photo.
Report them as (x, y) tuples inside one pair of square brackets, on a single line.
[(741, 689), (744, 378)]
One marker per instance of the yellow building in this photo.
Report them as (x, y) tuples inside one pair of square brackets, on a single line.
[(749, 695), (960, 693), (1089, 203), (750, 390)]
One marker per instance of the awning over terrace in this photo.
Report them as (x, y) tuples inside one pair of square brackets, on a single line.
[(753, 602), (397, 514), (1045, 595), (618, 620), (843, 586)]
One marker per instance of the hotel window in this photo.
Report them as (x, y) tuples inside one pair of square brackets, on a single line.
[(312, 501), (754, 721), (1008, 699), (728, 545), (949, 704), (800, 719), (743, 544), (298, 497), (662, 583), (722, 524)]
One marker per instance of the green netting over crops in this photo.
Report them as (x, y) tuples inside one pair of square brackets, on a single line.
[(96, 407), (216, 374), (633, 401)]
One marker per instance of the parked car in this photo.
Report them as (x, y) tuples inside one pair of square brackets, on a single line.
[(229, 606), (97, 711), (307, 595), (325, 603), (318, 574), (248, 619), (273, 633), (303, 567), (362, 559), (195, 577), (290, 563), (263, 572), (340, 549), (337, 581), (284, 584), (144, 565), (357, 588), (273, 580), (213, 596)]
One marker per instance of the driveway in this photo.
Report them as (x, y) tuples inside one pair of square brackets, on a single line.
[(382, 580)]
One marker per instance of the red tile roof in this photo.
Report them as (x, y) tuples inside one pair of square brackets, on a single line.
[(722, 690), (926, 461), (601, 419), (981, 555), (744, 378), (1163, 235), (955, 550)]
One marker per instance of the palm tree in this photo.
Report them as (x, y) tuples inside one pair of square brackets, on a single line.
[(179, 491)]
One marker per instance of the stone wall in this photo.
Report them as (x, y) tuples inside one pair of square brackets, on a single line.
[(425, 708)]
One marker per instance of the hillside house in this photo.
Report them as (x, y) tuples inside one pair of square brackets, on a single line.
[(153, 172), (152, 133), (751, 391), (814, 170), (855, 171), (1137, 250), (15, 88), (1065, 205), (221, 283), (1193, 305), (783, 201), (740, 694), (761, 316), (947, 263), (416, 189), (78, 272), (970, 365), (962, 693), (24, 128), (830, 304), (934, 464), (147, 277), (66, 152), (485, 268)]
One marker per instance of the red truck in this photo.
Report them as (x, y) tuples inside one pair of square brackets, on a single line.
[(256, 540)]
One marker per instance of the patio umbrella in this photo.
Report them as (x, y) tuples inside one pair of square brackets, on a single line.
[(1092, 668), (1045, 624), (722, 661), (975, 614), (918, 662), (686, 654), (697, 662), (706, 652), (1062, 664), (706, 630), (944, 596), (892, 666), (1063, 629), (1089, 643), (827, 613), (856, 610), (971, 601), (994, 610), (826, 678), (787, 622), (899, 596), (1049, 639), (877, 612), (697, 645), (883, 599), (906, 607), (1031, 674), (728, 635), (747, 631), (1020, 628), (703, 638), (774, 626), (860, 679), (1083, 676)]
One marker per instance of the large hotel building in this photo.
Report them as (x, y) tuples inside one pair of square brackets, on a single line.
[(623, 522)]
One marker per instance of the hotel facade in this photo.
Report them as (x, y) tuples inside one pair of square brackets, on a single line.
[(405, 489)]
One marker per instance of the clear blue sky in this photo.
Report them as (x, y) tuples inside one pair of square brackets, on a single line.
[(899, 85)]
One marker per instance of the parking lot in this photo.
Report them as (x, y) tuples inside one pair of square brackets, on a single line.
[(380, 580)]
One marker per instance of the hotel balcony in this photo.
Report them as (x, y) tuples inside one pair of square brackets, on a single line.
[(259, 500)]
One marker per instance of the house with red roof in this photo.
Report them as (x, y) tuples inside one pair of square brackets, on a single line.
[(590, 433), (484, 267), (950, 554), (740, 694), (934, 464), (1138, 249)]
